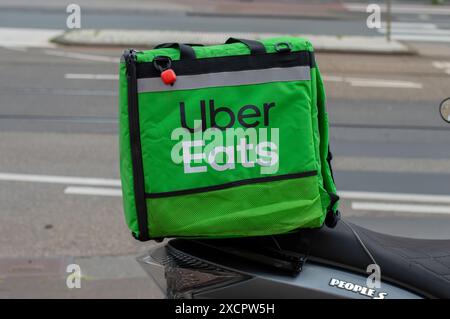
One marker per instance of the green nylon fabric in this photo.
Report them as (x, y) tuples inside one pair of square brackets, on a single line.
[(126, 165), (298, 112), (250, 210), (292, 106)]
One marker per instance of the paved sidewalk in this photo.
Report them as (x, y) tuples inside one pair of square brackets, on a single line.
[(146, 39), (101, 277)]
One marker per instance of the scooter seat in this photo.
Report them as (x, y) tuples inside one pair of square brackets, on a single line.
[(419, 265)]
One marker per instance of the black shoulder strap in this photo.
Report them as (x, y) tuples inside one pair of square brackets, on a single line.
[(186, 51), (255, 47)]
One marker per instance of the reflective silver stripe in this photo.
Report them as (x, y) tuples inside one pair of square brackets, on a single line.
[(186, 82)]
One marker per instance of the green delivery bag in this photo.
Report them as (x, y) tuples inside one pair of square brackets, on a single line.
[(224, 141)]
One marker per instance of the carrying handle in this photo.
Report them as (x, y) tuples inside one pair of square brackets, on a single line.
[(186, 50), (255, 47)]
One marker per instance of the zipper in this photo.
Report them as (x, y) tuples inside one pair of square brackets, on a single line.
[(153, 68), (135, 143)]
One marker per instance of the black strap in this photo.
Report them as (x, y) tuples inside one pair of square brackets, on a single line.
[(333, 199), (329, 159), (136, 150), (255, 47), (332, 217), (186, 50)]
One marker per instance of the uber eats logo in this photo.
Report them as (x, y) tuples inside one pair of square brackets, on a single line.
[(223, 140), (248, 115)]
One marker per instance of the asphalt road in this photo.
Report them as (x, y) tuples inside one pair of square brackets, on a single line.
[(181, 21), (384, 140), (94, 15)]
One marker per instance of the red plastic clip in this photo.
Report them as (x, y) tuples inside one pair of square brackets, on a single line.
[(168, 76)]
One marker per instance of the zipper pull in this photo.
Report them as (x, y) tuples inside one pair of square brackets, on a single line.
[(163, 65)]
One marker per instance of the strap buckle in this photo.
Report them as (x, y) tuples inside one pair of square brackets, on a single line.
[(281, 47)]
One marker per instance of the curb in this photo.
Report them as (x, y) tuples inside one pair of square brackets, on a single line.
[(148, 39)]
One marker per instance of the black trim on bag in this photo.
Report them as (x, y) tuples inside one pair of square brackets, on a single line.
[(243, 182), (135, 144), (332, 217), (230, 64), (312, 59), (329, 159)]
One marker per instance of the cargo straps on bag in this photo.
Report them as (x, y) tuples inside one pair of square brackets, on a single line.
[(168, 75), (254, 46), (186, 51)]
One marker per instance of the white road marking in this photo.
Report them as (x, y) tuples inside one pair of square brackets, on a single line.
[(82, 56), (410, 25), (111, 187), (422, 32), (401, 197), (421, 38), (59, 179), (384, 83), (405, 208), (424, 17), (443, 65), (402, 8), (97, 191), (419, 32), (392, 165), (333, 78), (367, 82), (27, 37), (19, 49), (88, 76)]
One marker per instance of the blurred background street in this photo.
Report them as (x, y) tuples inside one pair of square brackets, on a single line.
[(59, 179)]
